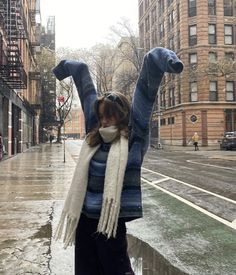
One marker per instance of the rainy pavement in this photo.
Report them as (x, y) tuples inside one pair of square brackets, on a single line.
[(32, 187), (170, 239)]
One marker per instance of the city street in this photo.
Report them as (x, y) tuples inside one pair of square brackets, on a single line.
[(189, 212)]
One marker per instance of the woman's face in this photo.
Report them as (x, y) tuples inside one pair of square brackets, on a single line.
[(105, 121)]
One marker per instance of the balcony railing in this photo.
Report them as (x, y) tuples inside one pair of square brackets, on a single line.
[(11, 68)]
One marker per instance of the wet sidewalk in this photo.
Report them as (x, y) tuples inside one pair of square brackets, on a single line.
[(32, 186), (208, 151), (171, 239)]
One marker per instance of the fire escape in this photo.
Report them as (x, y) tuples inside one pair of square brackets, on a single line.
[(11, 65)]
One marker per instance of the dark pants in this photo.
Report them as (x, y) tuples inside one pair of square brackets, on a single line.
[(196, 145), (97, 255)]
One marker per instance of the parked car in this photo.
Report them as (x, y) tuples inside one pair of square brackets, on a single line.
[(228, 142)]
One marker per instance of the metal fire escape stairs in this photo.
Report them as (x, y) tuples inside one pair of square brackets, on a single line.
[(12, 69)]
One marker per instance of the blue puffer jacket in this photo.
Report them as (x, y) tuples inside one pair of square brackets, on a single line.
[(156, 63)]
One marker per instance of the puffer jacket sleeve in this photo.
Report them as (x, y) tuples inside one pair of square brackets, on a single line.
[(85, 87), (156, 62)]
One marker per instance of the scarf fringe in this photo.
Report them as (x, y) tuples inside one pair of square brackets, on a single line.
[(70, 224), (109, 218)]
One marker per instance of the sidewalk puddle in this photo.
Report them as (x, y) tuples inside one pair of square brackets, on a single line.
[(146, 260)]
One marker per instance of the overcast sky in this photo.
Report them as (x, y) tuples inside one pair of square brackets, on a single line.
[(83, 23)]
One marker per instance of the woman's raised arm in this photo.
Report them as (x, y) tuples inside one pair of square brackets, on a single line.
[(156, 62), (84, 84)]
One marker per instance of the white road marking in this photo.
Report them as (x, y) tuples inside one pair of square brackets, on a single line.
[(230, 224), (211, 165), (161, 180), (192, 186)]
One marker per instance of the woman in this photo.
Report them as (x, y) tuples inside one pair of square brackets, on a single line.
[(195, 139), (106, 191)]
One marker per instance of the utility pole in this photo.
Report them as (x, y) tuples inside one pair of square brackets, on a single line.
[(64, 142), (159, 146), (61, 99)]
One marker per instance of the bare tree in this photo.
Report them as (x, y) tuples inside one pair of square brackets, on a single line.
[(129, 55), (135, 54), (222, 68), (106, 61), (65, 95)]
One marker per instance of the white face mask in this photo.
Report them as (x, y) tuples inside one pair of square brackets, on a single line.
[(108, 134)]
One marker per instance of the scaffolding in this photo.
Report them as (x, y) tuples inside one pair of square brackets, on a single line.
[(13, 22)]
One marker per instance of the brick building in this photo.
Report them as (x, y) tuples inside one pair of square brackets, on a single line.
[(74, 123), (203, 98), (20, 93)]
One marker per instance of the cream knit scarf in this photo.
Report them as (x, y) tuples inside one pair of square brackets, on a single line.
[(114, 176)]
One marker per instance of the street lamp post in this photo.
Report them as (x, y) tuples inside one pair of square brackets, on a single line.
[(159, 145), (61, 99), (64, 143)]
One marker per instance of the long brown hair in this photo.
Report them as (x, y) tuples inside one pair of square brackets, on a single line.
[(116, 105)]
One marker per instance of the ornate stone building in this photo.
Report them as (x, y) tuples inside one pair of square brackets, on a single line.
[(203, 98)]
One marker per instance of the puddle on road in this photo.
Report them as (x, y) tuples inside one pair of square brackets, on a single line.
[(147, 261)]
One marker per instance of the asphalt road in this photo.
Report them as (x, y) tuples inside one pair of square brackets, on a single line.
[(204, 179)]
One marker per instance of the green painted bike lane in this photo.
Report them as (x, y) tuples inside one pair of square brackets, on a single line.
[(187, 241)]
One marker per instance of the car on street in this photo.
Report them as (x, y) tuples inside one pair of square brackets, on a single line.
[(228, 142)]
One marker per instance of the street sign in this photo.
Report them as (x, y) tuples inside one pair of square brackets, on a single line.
[(61, 99)]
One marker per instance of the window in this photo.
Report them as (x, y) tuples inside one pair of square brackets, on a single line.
[(179, 93), (178, 12), (163, 121), (228, 34), (146, 4), (213, 95), (171, 44), (192, 35), (178, 40), (212, 57), (163, 99), (192, 9), (147, 43), (230, 95), (141, 10), (161, 31), (171, 20), (230, 120), (141, 32), (192, 59), (213, 67), (171, 120), (154, 16), (171, 97), (193, 92), (212, 7), (228, 7), (212, 33), (161, 7), (147, 24), (229, 56), (154, 37)]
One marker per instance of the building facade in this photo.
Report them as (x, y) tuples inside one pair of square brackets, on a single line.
[(20, 93), (75, 125), (203, 97), (48, 118)]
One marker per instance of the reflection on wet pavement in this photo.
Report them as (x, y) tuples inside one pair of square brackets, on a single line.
[(32, 188), (147, 261)]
